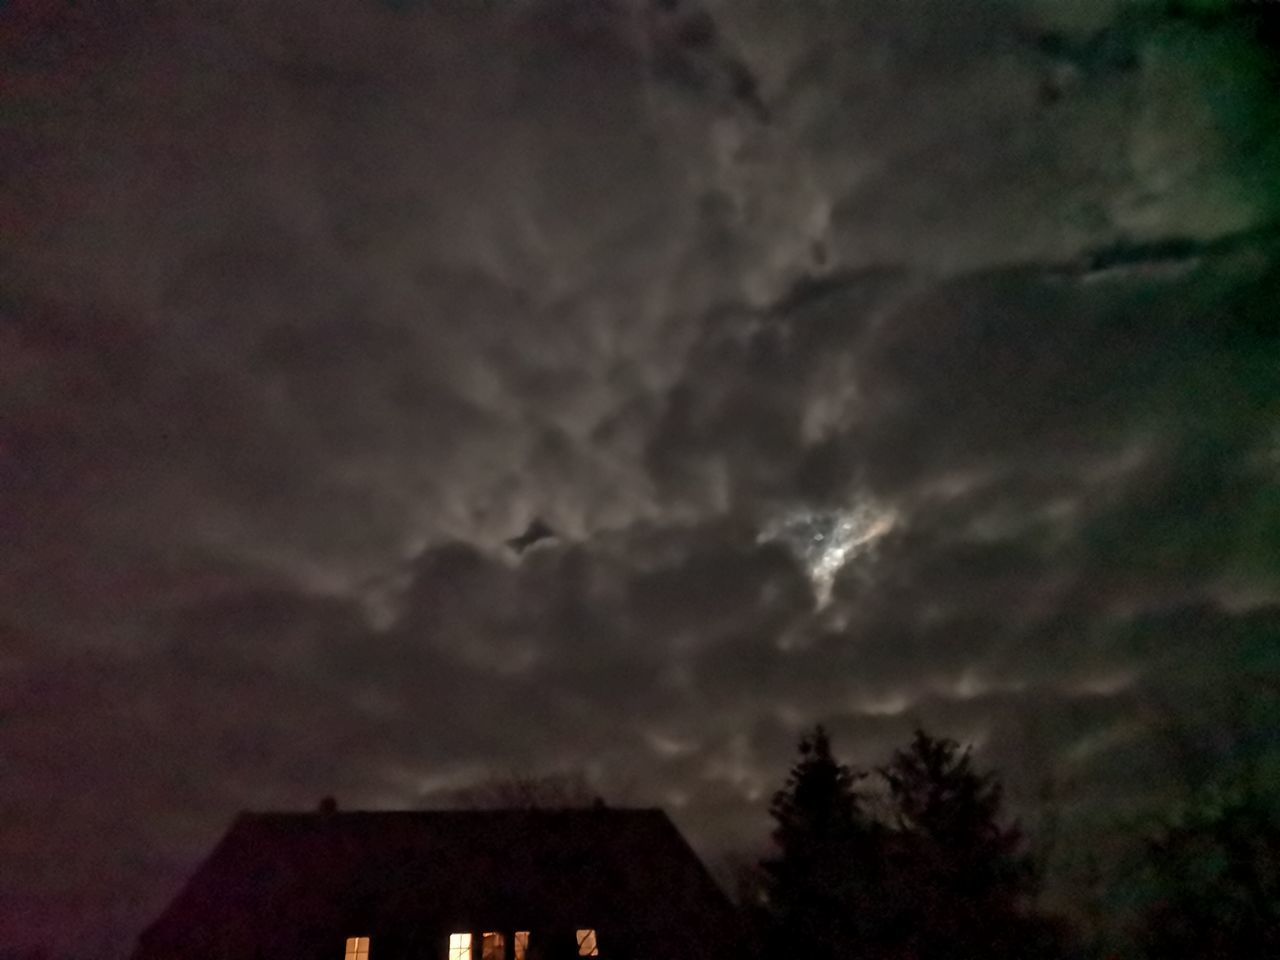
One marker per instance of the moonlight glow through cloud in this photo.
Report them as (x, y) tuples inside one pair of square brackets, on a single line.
[(826, 540)]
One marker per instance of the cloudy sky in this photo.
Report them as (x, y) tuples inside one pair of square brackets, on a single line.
[(874, 363)]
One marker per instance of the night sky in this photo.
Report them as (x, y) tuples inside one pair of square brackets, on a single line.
[(877, 364)]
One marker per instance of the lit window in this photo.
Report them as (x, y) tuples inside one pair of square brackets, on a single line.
[(492, 947), (459, 946), (357, 948), (522, 944), (587, 946)]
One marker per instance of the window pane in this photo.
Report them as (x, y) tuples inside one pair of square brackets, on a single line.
[(357, 948), (587, 944), (522, 944), (492, 947), (459, 946)]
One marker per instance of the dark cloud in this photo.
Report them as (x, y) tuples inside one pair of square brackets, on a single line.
[(306, 311)]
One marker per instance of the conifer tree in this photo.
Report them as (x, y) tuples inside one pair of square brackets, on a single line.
[(970, 877), (813, 885)]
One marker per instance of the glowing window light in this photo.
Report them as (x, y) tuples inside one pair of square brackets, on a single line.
[(459, 946), (357, 948), (492, 946), (587, 946), (522, 944)]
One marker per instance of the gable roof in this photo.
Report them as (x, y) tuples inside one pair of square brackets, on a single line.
[(285, 883)]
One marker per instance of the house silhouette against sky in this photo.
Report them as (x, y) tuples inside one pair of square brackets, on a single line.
[(448, 885)]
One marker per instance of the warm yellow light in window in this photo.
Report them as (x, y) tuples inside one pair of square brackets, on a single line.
[(492, 946), (522, 945), (587, 946), (357, 948), (459, 946)]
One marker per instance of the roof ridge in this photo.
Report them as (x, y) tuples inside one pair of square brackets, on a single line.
[(447, 811)]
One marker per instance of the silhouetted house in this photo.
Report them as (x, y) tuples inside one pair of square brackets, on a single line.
[(451, 885)]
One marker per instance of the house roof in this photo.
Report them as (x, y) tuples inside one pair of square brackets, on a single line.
[(282, 880)]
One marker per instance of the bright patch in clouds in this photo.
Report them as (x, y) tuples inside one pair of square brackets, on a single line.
[(826, 540)]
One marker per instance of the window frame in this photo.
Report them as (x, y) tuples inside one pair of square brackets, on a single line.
[(588, 941), (498, 938), (465, 949)]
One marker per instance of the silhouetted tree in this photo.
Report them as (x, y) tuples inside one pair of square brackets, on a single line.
[(521, 792), (938, 798), (1208, 875), (1213, 867), (963, 880), (936, 876), (814, 885)]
